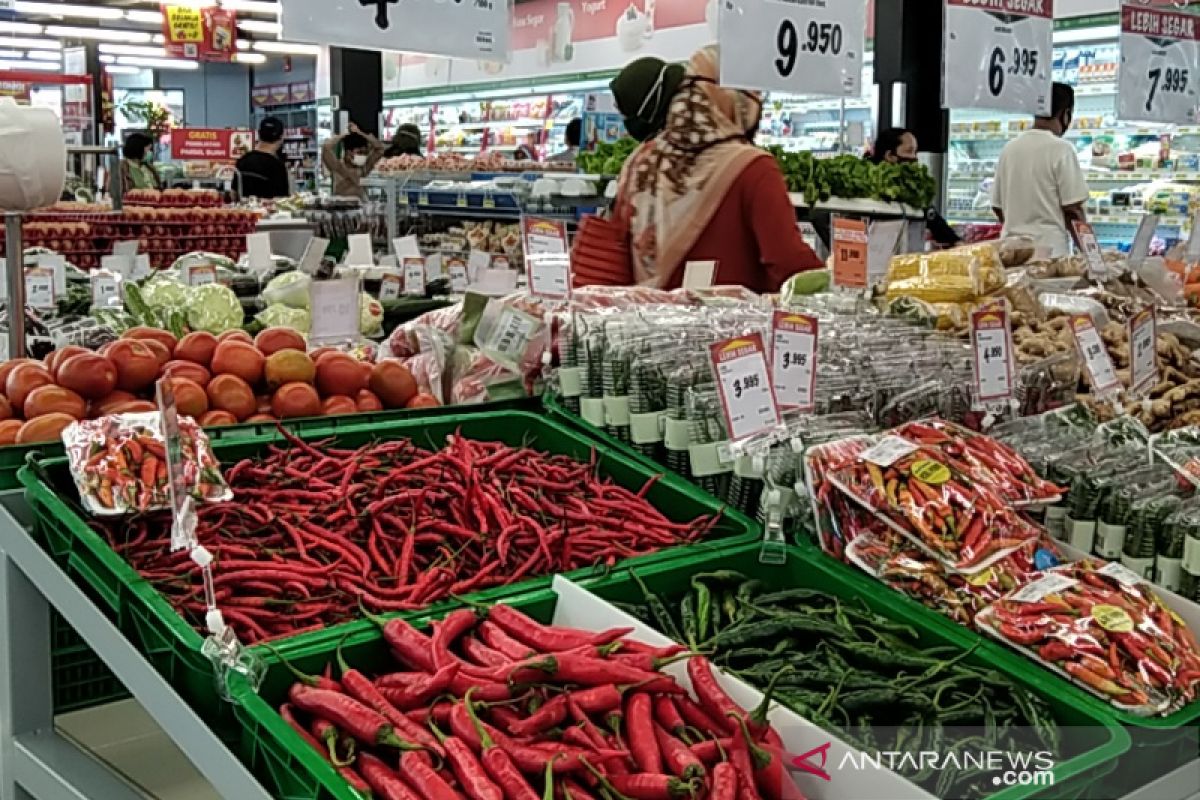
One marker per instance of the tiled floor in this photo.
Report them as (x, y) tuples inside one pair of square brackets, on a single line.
[(126, 738)]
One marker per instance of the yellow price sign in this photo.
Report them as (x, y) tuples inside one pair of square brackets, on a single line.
[(185, 24)]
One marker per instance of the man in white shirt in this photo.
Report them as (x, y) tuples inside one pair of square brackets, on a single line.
[(1039, 188)]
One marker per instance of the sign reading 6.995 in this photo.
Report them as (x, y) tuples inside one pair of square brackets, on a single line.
[(798, 46), (997, 54)]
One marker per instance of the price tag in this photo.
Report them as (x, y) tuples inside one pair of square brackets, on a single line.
[(544, 236), (390, 287), (1142, 240), (501, 261), (1143, 359), (406, 247), (699, 274), (1193, 245), (433, 266), (1160, 65), (442, 267), (258, 253), (458, 277), (991, 339), (794, 359), (744, 386), (881, 246), (39, 288), (998, 54), (888, 451), (118, 265), (334, 310), (423, 199), (58, 266), (414, 277), (489, 201), (1053, 583), (1086, 237), (795, 47), (477, 261), (1095, 357), (549, 276), (360, 253), (141, 267), (849, 253), (183, 507), (510, 338), (106, 289), (200, 274), (314, 251), (461, 200), (126, 248)]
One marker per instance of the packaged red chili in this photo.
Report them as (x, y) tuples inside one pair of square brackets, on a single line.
[(119, 463)]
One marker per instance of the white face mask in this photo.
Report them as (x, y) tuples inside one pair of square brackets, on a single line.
[(359, 160)]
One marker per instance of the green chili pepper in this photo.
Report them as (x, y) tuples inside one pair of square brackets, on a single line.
[(703, 610), (658, 610), (687, 616)]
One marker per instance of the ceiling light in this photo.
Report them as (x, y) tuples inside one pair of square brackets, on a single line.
[(158, 38), (43, 55), (251, 6), (34, 44), (159, 63), (185, 3), (249, 58), (117, 69), (29, 65), (19, 27), (11, 54), (133, 50), (100, 34), (108, 59), (149, 17), (290, 48), (260, 26), (243, 44), (65, 10)]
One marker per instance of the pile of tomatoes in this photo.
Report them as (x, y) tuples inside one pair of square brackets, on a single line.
[(217, 380)]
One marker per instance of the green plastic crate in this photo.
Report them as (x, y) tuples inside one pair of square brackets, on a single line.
[(810, 568), (79, 679), (173, 646)]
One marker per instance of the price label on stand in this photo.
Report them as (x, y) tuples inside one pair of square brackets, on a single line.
[(796, 47), (390, 287), (106, 289), (141, 267), (991, 340), (794, 360), (1142, 240), (744, 386), (998, 54), (334, 310), (314, 251), (1096, 360), (200, 274), (544, 236), (549, 276), (1160, 65), (258, 252), (1086, 237), (850, 243), (414, 277), (883, 240), (39, 288), (458, 277), (1143, 351)]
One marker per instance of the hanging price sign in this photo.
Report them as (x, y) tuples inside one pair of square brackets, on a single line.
[(549, 276), (1095, 357), (1160, 65), (414, 277), (335, 312), (998, 54), (794, 359), (797, 46), (991, 340), (1143, 360), (744, 386), (1086, 237), (850, 253)]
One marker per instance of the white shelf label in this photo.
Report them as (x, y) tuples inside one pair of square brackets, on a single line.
[(200, 274), (991, 338), (1142, 239), (888, 450), (258, 253), (794, 359), (1095, 357), (106, 289), (458, 277), (334, 310), (1160, 65), (414, 277), (744, 386), (549, 276), (390, 287), (544, 236), (1086, 236), (998, 54), (1143, 345), (39, 287)]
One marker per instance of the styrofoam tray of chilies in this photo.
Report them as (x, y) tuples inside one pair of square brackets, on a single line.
[(579, 608)]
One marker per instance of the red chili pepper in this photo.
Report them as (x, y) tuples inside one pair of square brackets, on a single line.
[(361, 689), (482, 654), (387, 784), (711, 695), (666, 713), (420, 690), (596, 700), (422, 776), (470, 773), (1055, 650), (639, 731), (711, 751), (498, 763), (682, 761), (448, 630), (348, 774), (697, 717)]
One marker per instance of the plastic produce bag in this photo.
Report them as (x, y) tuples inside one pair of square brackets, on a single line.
[(957, 275), (119, 463)]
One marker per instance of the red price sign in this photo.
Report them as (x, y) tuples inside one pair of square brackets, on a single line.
[(992, 339), (850, 253)]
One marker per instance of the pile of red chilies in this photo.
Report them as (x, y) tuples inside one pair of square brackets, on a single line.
[(314, 531), (497, 706)]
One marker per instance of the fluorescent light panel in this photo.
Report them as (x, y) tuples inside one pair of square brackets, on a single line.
[(117, 69), (289, 48), (41, 66), (260, 26), (251, 6), (249, 58), (67, 10), (9, 54), (133, 50), (19, 27), (148, 17), (33, 44), (158, 63), (100, 34), (43, 55)]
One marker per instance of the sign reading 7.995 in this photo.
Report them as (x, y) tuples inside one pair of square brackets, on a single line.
[(1160, 65), (813, 46), (997, 54)]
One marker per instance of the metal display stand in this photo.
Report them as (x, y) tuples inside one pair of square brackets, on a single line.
[(37, 762)]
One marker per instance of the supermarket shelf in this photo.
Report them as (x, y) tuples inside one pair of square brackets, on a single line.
[(860, 206), (40, 763), (1140, 176), (982, 215), (501, 123), (1074, 133)]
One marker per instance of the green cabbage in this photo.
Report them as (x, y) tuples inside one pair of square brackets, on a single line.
[(213, 308), (370, 315), (290, 289), (279, 314), (200, 257), (161, 292)]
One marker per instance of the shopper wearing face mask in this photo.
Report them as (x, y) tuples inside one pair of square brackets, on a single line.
[(1039, 190), (701, 191), (360, 152), (899, 146), (137, 169), (643, 92)]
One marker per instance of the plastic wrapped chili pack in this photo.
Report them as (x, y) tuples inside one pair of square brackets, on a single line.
[(119, 463), (1103, 627), (923, 495)]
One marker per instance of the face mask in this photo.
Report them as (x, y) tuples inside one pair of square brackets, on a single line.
[(359, 160), (148, 157), (638, 128)]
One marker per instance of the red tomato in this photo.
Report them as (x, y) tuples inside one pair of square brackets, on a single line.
[(54, 399), (422, 400), (23, 380), (137, 364), (89, 375), (296, 400), (338, 404), (197, 347), (214, 418), (367, 401), (46, 428), (231, 393)]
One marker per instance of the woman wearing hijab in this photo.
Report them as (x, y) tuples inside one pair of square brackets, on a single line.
[(701, 191), (643, 91), (406, 142)]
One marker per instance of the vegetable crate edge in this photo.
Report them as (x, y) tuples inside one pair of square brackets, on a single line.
[(173, 646)]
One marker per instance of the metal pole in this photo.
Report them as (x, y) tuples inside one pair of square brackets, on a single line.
[(15, 277), (116, 191)]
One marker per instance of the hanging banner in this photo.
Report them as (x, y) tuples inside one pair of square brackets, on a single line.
[(477, 29), (1160, 65), (202, 34), (801, 47), (998, 54), (210, 144)]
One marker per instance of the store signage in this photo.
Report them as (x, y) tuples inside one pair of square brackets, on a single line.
[(390, 286), (414, 276), (1160, 65), (1086, 236), (203, 34), (544, 236), (1143, 239), (106, 289), (1095, 357), (998, 54), (260, 96), (39, 287), (281, 94), (991, 342), (210, 144), (811, 47), (476, 29), (744, 386), (549, 276), (794, 359), (17, 90), (300, 92), (849, 253), (335, 313), (1143, 357)]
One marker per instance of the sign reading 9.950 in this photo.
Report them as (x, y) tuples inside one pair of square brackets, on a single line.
[(798, 46), (998, 54), (1160, 62)]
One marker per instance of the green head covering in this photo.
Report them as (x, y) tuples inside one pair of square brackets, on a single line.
[(643, 91)]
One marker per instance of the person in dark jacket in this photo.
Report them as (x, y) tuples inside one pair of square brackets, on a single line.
[(263, 173), (899, 146)]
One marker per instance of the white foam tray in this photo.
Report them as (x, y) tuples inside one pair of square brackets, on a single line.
[(579, 608), (1188, 611)]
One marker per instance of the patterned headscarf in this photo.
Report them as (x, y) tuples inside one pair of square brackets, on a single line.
[(673, 185)]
